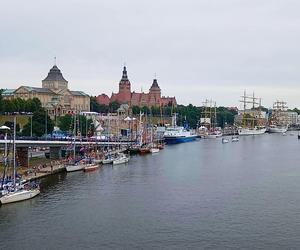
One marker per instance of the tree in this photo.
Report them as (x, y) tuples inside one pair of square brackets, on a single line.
[(66, 123), (83, 125), (1, 100), (113, 106), (135, 110), (39, 124)]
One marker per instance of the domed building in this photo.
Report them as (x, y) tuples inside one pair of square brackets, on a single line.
[(125, 96), (55, 95)]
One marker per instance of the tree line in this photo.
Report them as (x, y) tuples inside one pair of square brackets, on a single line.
[(189, 113)]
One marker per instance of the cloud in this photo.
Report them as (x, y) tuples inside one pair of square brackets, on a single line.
[(198, 49)]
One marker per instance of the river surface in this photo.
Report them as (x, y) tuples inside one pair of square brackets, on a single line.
[(197, 195)]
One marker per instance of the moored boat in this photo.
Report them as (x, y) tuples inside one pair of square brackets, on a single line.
[(19, 195), (91, 167), (75, 167), (145, 150), (21, 192), (176, 134), (252, 131), (277, 129), (154, 150), (121, 159)]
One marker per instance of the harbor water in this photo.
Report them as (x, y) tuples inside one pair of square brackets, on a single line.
[(196, 195)]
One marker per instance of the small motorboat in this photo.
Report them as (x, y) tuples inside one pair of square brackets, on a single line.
[(154, 150), (224, 140), (75, 167), (108, 159), (144, 150), (235, 139), (91, 167), (121, 159)]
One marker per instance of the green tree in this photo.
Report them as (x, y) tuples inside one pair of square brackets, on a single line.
[(113, 106), (83, 125), (39, 124), (135, 110), (1, 100), (66, 123)]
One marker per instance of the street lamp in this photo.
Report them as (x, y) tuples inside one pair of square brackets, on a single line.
[(31, 126), (5, 151)]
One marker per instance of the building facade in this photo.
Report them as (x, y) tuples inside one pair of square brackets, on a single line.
[(54, 95), (125, 96)]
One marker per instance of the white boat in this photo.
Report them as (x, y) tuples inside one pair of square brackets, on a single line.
[(91, 167), (75, 167), (19, 195), (213, 135), (154, 150), (252, 131), (277, 129), (252, 121), (208, 121), (121, 159), (224, 140), (235, 139), (108, 159), (278, 121), (97, 161)]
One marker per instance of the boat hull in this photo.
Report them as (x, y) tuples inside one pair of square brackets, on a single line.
[(121, 160), (73, 168), (154, 150), (248, 131), (19, 196), (277, 129), (145, 151), (175, 140), (212, 136), (91, 167)]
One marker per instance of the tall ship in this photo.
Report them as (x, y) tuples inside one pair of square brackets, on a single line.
[(252, 121), (278, 121), (178, 134), (208, 122)]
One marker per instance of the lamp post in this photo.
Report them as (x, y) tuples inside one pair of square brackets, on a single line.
[(5, 152), (46, 114), (14, 150), (31, 126)]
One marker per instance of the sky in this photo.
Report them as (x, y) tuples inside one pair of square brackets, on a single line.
[(198, 49)]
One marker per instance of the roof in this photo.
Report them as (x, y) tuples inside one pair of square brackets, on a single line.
[(7, 92), (154, 84), (124, 79), (55, 75), (38, 90), (78, 93)]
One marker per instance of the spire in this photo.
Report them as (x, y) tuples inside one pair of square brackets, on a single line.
[(124, 79), (154, 84), (124, 75)]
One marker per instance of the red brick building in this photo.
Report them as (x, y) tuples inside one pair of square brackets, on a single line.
[(153, 98)]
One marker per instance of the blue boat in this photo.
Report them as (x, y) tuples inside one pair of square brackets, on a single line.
[(177, 134)]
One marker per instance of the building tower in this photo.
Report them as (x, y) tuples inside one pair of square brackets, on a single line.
[(154, 94), (55, 80), (124, 88)]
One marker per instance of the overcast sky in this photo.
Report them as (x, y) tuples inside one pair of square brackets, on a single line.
[(198, 48)]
